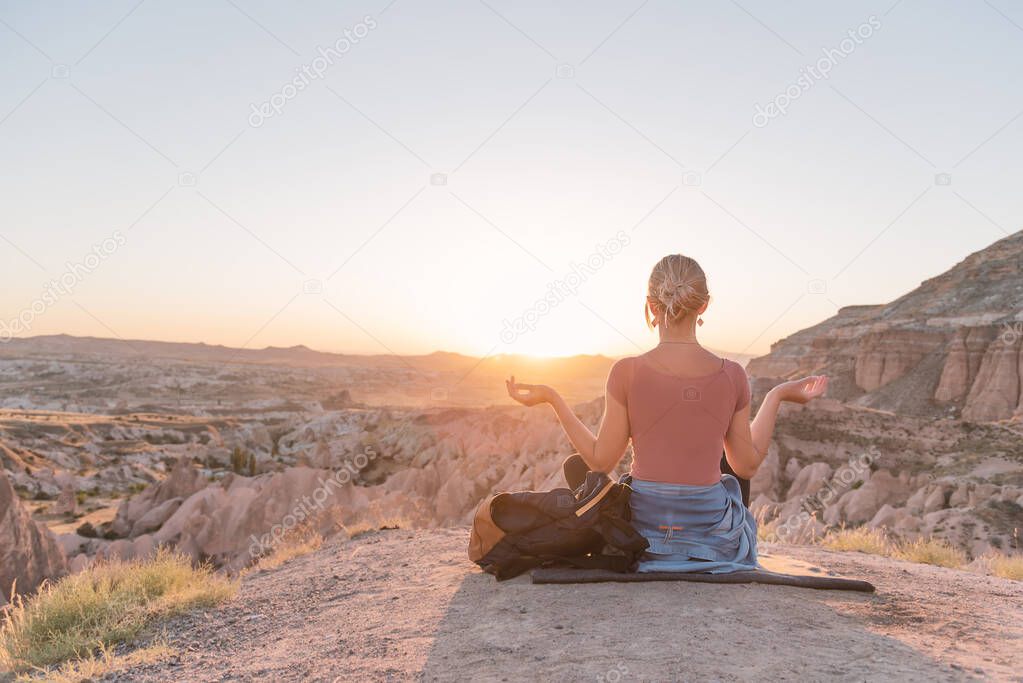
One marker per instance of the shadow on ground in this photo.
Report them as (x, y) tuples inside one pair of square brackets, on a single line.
[(662, 631)]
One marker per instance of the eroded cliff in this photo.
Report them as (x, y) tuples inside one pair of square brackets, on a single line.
[(950, 347)]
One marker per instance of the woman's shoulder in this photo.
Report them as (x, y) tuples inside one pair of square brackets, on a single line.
[(740, 380), (732, 365), (619, 378), (733, 369), (624, 366)]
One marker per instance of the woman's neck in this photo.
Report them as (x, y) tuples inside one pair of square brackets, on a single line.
[(683, 331)]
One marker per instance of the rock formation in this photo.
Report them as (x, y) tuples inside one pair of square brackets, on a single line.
[(67, 503), (143, 512), (829, 465), (225, 485), (951, 347), (914, 476), (28, 551)]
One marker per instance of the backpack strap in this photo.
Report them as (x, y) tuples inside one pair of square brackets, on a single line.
[(620, 534), (512, 567), (595, 498), (614, 563)]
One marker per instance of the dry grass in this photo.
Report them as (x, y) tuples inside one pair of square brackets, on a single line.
[(935, 551), (1006, 566), (860, 539), (95, 666), (292, 546), (766, 531), (364, 527), (931, 551), (109, 603)]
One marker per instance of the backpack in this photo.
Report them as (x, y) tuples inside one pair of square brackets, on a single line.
[(515, 532)]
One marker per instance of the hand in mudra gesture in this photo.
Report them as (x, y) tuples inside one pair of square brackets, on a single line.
[(803, 390), (528, 394)]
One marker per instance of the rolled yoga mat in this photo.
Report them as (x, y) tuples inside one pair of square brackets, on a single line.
[(777, 570)]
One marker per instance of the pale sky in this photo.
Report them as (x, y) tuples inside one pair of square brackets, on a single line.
[(557, 126)]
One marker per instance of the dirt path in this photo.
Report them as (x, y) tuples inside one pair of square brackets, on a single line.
[(402, 605)]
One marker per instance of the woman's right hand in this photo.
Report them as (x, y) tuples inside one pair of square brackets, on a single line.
[(529, 394), (802, 390)]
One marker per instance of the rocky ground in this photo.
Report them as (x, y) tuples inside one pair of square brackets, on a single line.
[(404, 605)]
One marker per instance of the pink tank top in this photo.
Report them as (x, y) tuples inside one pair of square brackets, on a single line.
[(678, 424)]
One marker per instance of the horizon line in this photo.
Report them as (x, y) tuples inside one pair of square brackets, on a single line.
[(303, 347)]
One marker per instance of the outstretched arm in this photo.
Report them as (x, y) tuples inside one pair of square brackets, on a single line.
[(578, 433), (535, 394), (601, 452), (746, 443)]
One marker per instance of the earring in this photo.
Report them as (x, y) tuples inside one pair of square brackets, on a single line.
[(699, 321)]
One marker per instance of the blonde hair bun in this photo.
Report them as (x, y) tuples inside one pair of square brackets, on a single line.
[(679, 285)]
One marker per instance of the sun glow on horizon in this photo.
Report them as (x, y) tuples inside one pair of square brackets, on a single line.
[(315, 228), (544, 349)]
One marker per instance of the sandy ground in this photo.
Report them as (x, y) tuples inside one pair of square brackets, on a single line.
[(401, 605)]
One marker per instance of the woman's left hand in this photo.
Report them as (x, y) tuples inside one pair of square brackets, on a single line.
[(802, 390), (529, 394)]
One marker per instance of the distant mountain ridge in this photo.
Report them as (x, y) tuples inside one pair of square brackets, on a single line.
[(952, 346), (300, 355)]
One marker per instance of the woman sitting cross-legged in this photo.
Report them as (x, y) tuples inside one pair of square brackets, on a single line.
[(679, 404)]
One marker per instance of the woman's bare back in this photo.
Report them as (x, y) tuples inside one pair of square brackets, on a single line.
[(682, 360)]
